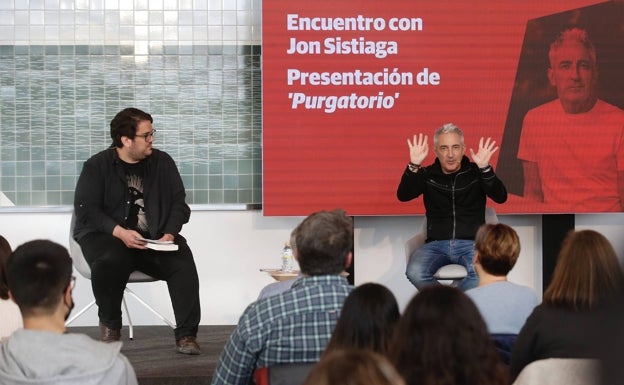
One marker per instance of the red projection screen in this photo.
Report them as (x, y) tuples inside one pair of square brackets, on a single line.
[(345, 83)]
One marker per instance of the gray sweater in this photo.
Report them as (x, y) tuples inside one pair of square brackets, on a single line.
[(40, 357)]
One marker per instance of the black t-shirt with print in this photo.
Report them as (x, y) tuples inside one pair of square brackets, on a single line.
[(136, 219)]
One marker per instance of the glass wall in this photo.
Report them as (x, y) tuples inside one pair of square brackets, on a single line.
[(67, 67)]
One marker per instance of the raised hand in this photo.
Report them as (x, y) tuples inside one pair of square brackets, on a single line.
[(418, 148), (483, 156)]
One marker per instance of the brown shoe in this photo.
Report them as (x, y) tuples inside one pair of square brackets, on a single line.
[(188, 345), (108, 334)]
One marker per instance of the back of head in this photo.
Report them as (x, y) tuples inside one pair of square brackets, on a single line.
[(38, 272), (5, 251), (367, 319), (353, 367), (442, 339), (125, 124), (498, 248), (587, 273), (323, 242)]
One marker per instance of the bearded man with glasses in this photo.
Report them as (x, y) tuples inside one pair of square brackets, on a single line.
[(126, 194)]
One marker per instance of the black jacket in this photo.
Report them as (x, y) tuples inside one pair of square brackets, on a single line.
[(102, 201), (454, 203)]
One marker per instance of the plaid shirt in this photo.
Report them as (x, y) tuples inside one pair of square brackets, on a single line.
[(293, 326)]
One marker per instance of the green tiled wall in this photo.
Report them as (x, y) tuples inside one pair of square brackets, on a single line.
[(57, 102)]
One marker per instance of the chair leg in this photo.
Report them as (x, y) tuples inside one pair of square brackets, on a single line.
[(125, 306), (148, 307), (130, 328), (84, 309)]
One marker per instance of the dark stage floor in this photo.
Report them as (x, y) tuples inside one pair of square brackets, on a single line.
[(153, 355)]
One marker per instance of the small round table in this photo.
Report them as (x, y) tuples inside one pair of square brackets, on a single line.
[(280, 275)]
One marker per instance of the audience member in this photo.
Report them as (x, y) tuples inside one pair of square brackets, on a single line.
[(609, 321), (294, 326), (367, 320), (353, 367), (5, 251), (11, 319), (504, 305), (442, 339), (126, 194), (587, 279), (278, 287), (39, 280)]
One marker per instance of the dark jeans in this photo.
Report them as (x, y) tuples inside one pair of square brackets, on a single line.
[(112, 263)]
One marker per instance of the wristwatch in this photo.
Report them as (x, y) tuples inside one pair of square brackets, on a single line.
[(413, 167)]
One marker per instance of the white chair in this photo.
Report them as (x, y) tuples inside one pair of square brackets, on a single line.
[(560, 371), (82, 266), (452, 273)]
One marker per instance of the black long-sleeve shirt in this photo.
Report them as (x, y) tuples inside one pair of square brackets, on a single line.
[(454, 203), (552, 332), (102, 200)]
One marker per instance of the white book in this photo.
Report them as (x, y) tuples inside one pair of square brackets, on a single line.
[(155, 244)]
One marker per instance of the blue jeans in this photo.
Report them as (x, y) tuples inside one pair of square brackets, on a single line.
[(427, 259)]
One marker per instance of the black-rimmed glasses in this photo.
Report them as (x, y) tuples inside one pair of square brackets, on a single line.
[(147, 135)]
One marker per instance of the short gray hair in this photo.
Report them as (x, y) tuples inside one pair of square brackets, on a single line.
[(448, 128)]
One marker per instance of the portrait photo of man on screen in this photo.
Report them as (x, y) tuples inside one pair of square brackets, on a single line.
[(570, 135), (572, 148)]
